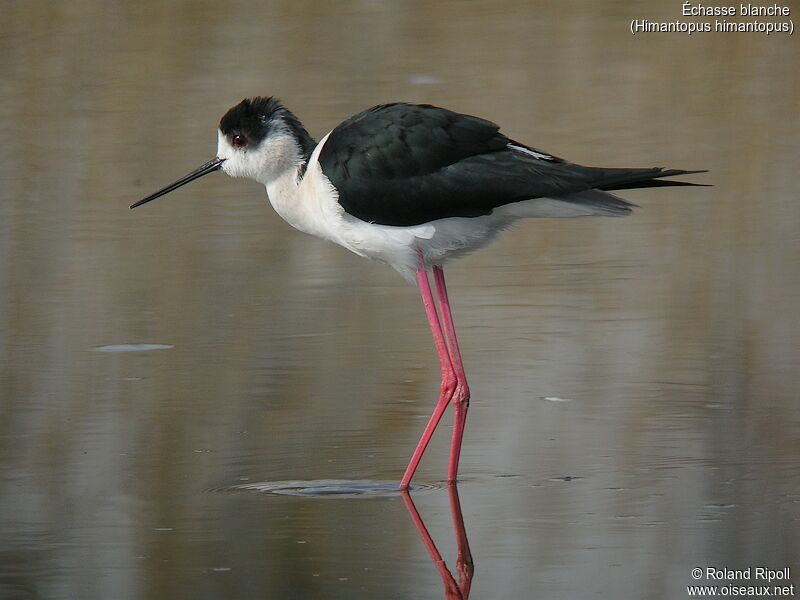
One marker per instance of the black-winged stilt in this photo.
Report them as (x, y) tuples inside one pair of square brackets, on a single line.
[(412, 186)]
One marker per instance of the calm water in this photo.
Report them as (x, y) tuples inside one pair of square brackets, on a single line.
[(635, 407)]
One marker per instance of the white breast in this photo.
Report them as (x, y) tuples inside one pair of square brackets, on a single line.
[(311, 205)]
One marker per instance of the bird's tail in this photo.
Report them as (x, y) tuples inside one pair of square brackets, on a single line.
[(598, 201), (628, 179)]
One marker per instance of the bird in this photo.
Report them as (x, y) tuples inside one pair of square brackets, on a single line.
[(413, 186)]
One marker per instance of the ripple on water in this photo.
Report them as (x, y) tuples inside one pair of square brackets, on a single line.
[(327, 488), (132, 347)]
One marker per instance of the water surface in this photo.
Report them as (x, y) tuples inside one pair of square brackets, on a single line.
[(673, 334)]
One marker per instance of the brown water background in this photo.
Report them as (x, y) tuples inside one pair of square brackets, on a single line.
[(673, 335)]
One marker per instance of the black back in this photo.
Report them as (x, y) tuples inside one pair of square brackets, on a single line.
[(406, 164)]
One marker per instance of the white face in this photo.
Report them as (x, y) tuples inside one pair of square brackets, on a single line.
[(265, 162)]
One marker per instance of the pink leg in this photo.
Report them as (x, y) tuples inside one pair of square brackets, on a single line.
[(461, 394), (449, 379)]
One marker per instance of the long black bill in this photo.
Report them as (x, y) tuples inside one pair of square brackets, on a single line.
[(215, 164)]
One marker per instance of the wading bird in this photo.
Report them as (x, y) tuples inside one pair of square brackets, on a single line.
[(412, 186)]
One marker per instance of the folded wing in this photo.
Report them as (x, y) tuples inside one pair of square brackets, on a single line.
[(405, 164)]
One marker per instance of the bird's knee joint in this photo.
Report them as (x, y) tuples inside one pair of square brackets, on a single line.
[(449, 384), (462, 395)]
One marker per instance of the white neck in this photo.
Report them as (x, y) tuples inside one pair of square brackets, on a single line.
[(308, 203)]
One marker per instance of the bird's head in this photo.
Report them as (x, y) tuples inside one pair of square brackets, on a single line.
[(259, 139)]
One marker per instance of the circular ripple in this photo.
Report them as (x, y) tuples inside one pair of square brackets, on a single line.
[(327, 488)]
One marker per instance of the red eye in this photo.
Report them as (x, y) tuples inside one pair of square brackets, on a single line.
[(238, 141)]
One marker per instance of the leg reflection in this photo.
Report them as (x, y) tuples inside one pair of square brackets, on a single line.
[(452, 590)]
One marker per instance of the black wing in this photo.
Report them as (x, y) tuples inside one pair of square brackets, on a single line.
[(405, 164)]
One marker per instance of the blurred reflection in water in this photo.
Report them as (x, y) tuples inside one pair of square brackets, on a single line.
[(673, 333), (464, 566)]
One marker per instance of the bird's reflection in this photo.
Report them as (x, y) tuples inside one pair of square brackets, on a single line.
[(464, 567)]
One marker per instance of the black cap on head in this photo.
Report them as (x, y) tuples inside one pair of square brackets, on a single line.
[(250, 118)]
